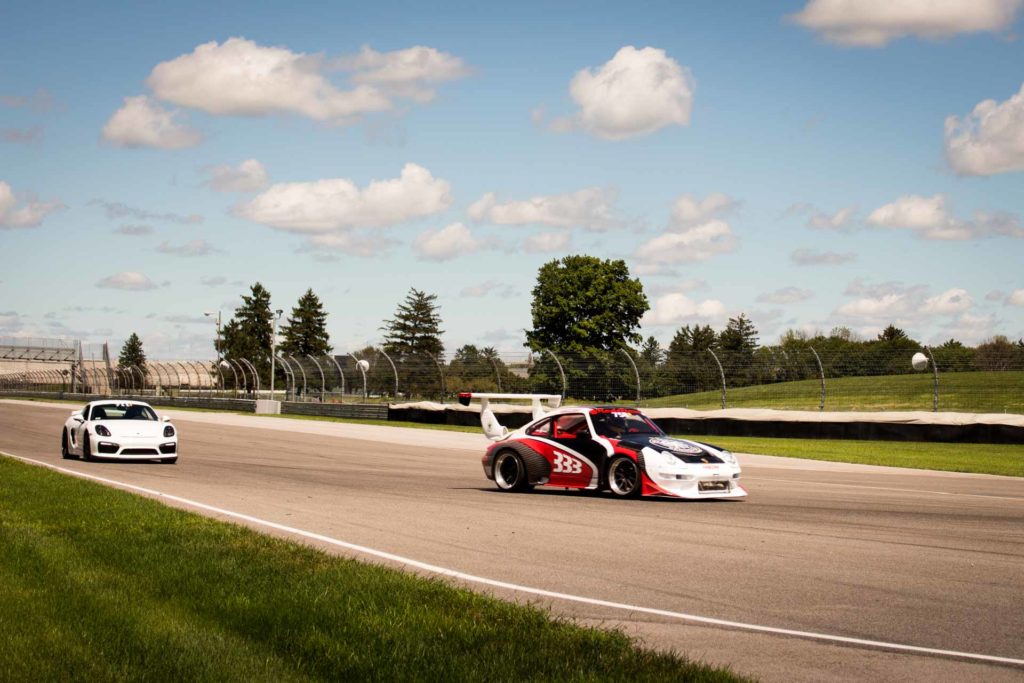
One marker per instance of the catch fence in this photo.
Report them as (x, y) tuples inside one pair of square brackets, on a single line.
[(796, 377)]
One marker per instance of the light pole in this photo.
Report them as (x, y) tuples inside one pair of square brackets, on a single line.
[(273, 351), (209, 314)]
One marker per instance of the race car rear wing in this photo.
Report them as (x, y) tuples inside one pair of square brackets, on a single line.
[(494, 430)]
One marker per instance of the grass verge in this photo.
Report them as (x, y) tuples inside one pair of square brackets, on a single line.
[(100, 584), (977, 458)]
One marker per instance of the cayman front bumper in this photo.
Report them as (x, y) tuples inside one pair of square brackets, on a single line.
[(668, 476), (128, 448)]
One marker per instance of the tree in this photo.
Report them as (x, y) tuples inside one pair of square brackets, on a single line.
[(892, 333), (688, 366), (739, 337), (416, 327), (247, 335), (306, 331), (132, 355), (581, 303), (999, 353)]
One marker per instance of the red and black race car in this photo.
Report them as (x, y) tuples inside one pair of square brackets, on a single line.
[(601, 448)]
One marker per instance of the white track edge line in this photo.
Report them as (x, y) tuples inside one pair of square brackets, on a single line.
[(471, 578)]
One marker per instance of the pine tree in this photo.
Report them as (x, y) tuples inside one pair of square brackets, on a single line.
[(132, 355), (248, 334), (306, 331), (415, 329)]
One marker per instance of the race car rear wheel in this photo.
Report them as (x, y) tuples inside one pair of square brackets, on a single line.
[(624, 477), (510, 472)]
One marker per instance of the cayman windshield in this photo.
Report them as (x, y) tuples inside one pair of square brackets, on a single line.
[(123, 411), (613, 424)]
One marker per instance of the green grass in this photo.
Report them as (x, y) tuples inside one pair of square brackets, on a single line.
[(975, 392), (102, 585), (977, 458)]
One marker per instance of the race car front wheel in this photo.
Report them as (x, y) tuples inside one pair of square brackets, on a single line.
[(64, 445), (624, 477), (510, 472)]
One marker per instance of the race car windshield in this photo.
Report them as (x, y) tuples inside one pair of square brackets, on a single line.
[(121, 411), (616, 425)]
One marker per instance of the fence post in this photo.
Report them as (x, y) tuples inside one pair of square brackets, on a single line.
[(560, 370), (935, 384), (360, 368), (821, 374), (302, 371), (635, 372), (323, 380), (334, 359), (394, 370), (721, 373), (255, 375), (440, 373), (497, 372)]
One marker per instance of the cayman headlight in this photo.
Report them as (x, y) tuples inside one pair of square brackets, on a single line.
[(168, 431), (728, 457), (102, 431)]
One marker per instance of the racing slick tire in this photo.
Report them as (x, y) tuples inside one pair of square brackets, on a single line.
[(510, 473), (624, 477), (86, 448), (64, 453)]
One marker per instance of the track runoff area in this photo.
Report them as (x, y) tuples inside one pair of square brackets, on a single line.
[(825, 571)]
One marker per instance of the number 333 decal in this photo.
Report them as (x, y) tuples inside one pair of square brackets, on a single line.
[(566, 465)]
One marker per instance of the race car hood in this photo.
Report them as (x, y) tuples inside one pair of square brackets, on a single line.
[(687, 451), (133, 428)]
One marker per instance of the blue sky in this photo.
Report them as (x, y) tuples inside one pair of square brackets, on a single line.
[(812, 164)]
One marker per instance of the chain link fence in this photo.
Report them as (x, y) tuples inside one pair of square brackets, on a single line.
[(791, 377)]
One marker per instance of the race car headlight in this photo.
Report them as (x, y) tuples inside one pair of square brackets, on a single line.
[(102, 431), (728, 457), (168, 431)]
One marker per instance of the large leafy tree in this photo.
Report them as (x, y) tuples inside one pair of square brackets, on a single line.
[(582, 304), (305, 334), (248, 334), (688, 366), (416, 327), (132, 355)]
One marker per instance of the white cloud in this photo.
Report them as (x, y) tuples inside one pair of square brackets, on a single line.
[(29, 214), (447, 243), (592, 208), (192, 248), (677, 308), (241, 78), (117, 210), (248, 176), (500, 289), (688, 211), (698, 243), (886, 306), (820, 220), (969, 328), (347, 243), (547, 242), (931, 219), (134, 230), (332, 204), (141, 122), (812, 257), (213, 281), (1015, 298), (637, 92), (405, 73), (990, 139), (949, 302), (786, 295), (874, 23), (127, 280)]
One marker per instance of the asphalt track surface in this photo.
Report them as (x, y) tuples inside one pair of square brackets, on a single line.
[(907, 557)]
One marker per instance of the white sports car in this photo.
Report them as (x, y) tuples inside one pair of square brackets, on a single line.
[(122, 430)]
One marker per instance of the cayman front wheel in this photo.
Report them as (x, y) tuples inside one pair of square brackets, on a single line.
[(624, 477)]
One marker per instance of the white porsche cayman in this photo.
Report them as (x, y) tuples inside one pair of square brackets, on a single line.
[(122, 430)]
